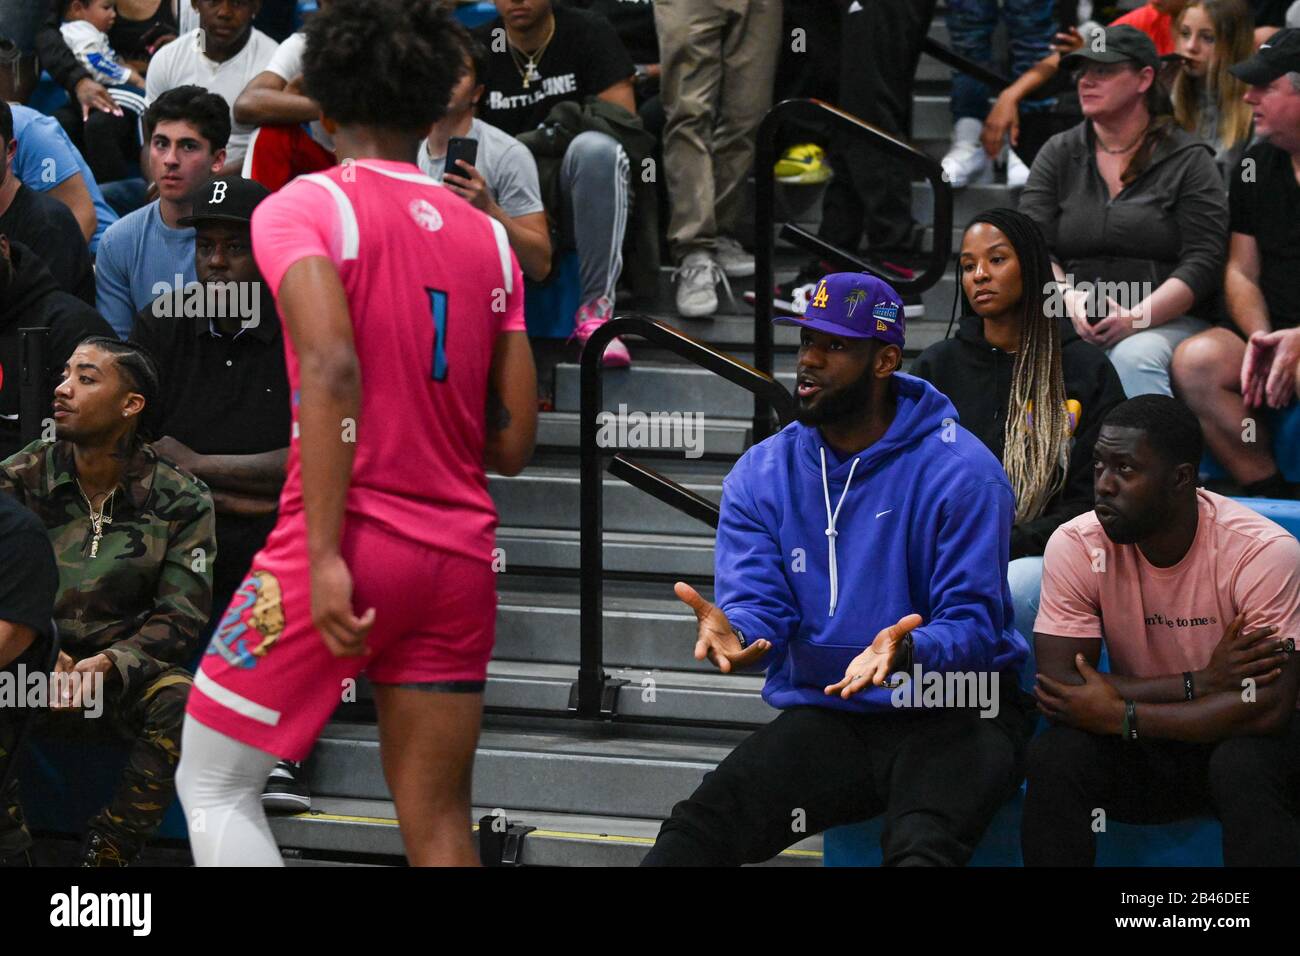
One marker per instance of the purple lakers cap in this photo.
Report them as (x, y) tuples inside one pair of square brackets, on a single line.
[(854, 305)]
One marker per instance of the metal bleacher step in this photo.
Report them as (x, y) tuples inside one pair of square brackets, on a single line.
[(340, 824), (549, 498), (558, 765), (649, 695), (645, 626), (668, 388), (689, 556), (721, 436)]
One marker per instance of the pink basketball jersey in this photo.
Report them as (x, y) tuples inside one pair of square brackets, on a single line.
[(431, 282)]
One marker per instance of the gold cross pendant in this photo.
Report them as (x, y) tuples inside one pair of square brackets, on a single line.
[(94, 544)]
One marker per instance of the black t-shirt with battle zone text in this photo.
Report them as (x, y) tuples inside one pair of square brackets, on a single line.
[(585, 57)]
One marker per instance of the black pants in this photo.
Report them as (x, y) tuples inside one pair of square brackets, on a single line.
[(1250, 783), (881, 44), (812, 71), (938, 776)]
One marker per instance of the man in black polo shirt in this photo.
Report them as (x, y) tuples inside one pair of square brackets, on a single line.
[(29, 580), (1234, 373), (224, 392)]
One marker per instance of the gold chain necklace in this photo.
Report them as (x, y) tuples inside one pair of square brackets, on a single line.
[(97, 519), (525, 63)]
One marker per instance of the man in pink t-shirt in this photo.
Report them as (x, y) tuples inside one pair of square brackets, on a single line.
[(409, 369), (1197, 599)]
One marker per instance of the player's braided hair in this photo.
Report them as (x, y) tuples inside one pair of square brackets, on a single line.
[(1035, 458), (140, 371), (385, 63)]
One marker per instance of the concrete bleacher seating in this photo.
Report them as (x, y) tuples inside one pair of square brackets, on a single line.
[(596, 792)]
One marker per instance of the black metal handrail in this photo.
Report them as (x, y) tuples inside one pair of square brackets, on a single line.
[(764, 222), (594, 694)]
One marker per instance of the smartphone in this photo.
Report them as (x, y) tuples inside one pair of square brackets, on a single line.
[(460, 148)]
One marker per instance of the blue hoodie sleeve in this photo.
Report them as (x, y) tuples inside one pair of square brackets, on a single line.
[(967, 614), (749, 580)]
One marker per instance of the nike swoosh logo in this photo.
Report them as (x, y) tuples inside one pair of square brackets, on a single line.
[(884, 512)]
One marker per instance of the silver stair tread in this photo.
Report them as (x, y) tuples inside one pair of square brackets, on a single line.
[(721, 436), (677, 554), (601, 742), (343, 824), (649, 694)]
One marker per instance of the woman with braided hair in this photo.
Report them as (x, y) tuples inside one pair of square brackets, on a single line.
[(1024, 382)]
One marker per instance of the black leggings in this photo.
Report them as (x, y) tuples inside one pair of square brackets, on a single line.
[(938, 776)]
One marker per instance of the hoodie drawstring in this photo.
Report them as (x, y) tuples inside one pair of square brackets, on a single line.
[(831, 517)]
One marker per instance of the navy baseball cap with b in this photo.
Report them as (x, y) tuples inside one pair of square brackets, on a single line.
[(853, 305)]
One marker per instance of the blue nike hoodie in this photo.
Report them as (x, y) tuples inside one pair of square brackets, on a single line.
[(921, 523)]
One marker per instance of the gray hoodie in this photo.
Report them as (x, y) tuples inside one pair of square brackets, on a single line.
[(1171, 221)]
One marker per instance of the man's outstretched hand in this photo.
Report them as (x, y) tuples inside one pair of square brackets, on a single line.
[(716, 640), (871, 667)]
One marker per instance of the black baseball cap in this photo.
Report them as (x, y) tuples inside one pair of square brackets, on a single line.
[(1276, 56), (227, 199), (1116, 44)]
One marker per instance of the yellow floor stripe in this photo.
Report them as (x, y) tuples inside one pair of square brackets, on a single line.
[(553, 834)]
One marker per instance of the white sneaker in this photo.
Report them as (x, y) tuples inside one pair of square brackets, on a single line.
[(966, 161), (1017, 171), (731, 256), (697, 278)]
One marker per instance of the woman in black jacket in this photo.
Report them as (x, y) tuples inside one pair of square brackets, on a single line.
[(1012, 357)]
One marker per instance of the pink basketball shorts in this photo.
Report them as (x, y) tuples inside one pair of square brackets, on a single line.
[(268, 679)]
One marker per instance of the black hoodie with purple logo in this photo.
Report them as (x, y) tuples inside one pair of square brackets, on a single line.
[(976, 377)]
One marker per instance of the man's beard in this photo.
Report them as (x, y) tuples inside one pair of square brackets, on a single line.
[(1123, 529), (850, 401)]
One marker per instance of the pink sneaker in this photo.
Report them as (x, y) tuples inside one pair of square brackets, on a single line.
[(592, 316)]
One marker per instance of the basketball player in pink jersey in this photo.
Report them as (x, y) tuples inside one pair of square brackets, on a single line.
[(410, 370)]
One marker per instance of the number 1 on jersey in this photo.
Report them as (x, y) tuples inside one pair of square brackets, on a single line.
[(438, 306)]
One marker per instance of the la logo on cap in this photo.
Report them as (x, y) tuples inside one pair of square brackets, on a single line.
[(820, 299)]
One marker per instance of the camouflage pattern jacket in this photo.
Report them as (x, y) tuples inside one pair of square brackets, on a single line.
[(145, 598)]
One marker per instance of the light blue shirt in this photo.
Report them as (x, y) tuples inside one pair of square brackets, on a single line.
[(139, 252), (47, 157)]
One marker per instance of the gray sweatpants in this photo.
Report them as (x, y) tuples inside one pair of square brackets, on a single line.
[(594, 184)]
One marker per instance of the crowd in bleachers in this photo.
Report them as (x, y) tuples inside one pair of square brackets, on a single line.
[(1155, 252)]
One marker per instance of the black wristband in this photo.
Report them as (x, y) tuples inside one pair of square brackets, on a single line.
[(1131, 719), (740, 636), (1187, 685)]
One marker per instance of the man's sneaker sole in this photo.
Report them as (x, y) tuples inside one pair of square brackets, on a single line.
[(808, 177), (286, 802), (738, 272)]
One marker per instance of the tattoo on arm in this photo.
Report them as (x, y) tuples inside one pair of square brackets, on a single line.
[(498, 416)]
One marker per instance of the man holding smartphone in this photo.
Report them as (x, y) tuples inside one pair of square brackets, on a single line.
[(489, 168)]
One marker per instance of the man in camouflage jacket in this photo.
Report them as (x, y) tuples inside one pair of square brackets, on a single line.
[(132, 604)]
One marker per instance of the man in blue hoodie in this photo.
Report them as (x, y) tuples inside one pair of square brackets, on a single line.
[(867, 538)]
